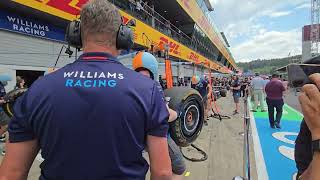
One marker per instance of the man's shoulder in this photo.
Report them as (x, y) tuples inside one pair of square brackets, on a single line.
[(279, 83), (274, 83)]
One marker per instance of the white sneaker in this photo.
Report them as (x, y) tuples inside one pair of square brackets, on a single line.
[(3, 152)]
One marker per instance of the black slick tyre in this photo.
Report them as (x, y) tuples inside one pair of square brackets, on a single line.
[(188, 103)]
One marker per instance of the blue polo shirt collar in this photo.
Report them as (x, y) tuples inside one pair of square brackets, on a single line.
[(97, 56)]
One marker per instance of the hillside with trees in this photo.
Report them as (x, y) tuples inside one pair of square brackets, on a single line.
[(268, 66)]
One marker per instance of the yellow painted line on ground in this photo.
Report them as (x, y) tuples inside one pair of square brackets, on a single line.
[(187, 174)]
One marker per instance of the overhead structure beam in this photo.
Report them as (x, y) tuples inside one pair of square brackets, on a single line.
[(225, 39), (209, 5)]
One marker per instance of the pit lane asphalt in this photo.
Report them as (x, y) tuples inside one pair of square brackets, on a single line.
[(222, 141)]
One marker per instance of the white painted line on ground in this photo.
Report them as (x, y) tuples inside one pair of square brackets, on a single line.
[(289, 107), (287, 152), (281, 136), (260, 163), (284, 112)]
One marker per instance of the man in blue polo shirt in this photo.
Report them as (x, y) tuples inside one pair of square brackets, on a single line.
[(92, 118)]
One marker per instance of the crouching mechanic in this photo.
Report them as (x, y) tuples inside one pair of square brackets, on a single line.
[(146, 64), (123, 108)]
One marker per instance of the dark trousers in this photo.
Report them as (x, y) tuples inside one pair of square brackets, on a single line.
[(243, 92), (278, 104)]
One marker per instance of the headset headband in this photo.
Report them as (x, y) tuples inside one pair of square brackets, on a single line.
[(124, 36)]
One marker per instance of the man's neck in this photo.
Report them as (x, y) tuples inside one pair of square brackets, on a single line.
[(98, 48)]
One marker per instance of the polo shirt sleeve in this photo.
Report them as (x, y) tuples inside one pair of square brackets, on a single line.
[(19, 128), (158, 122)]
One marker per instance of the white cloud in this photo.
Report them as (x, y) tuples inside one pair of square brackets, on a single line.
[(247, 13), (280, 13), (213, 2), (245, 25), (303, 6), (243, 28), (266, 45)]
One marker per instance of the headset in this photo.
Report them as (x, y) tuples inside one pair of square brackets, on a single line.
[(124, 39)]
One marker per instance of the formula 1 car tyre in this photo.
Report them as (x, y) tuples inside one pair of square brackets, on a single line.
[(10, 99), (189, 106)]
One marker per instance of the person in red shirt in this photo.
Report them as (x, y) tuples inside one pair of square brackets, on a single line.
[(274, 90)]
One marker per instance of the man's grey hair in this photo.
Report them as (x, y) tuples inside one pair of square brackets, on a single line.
[(100, 17)]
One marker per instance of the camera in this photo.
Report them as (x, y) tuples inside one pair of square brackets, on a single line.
[(298, 74)]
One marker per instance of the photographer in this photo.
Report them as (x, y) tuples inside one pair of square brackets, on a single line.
[(92, 118), (310, 104), (244, 87), (235, 87)]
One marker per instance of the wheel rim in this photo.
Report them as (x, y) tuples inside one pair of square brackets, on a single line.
[(191, 119)]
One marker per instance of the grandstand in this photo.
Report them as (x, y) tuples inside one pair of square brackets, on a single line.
[(183, 28)]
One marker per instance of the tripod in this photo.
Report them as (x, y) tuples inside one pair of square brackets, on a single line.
[(216, 114)]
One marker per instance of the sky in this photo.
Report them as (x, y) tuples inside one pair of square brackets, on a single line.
[(262, 29)]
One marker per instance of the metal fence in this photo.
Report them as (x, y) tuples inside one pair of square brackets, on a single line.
[(246, 142), (246, 173)]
